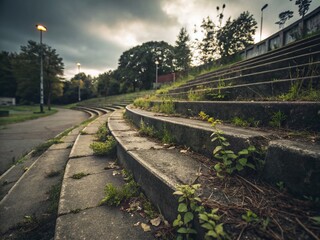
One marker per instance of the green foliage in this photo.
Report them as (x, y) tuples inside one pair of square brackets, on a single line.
[(44, 146), (236, 35), (283, 17), (203, 116), (250, 217), (147, 130), (167, 136), (167, 107), (102, 133), (303, 6), (188, 206), (230, 161), (316, 220), (54, 196), (116, 195), (277, 119), (208, 221), (80, 175), (142, 103), (137, 65), (182, 52), (250, 122), (26, 67), (23, 113), (280, 185), (107, 148)]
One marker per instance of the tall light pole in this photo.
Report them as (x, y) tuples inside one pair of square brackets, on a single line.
[(263, 8), (41, 28), (157, 63), (79, 94)]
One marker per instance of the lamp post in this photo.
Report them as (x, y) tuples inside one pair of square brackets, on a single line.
[(157, 63), (263, 8), (41, 28), (79, 94)]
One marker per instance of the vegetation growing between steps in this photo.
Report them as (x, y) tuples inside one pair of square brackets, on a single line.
[(106, 148), (164, 135), (229, 161), (105, 144), (164, 106), (130, 198), (190, 210)]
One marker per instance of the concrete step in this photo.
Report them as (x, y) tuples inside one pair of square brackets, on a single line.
[(197, 135), (249, 91), (159, 169), (295, 49), (304, 116), (80, 216)]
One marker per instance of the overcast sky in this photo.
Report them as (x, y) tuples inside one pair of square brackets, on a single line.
[(96, 32)]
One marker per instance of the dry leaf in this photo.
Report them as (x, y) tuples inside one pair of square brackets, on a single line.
[(136, 224), (156, 221), (145, 227), (116, 173), (184, 151), (112, 165)]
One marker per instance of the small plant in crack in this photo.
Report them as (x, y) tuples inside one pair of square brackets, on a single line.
[(80, 175)]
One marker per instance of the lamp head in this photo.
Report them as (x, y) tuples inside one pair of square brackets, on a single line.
[(41, 28), (264, 7)]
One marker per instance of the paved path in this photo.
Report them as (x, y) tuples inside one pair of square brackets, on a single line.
[(20, 138)]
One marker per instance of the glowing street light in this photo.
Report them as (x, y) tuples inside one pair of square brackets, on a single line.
[(157, 63), (263, 8), (41, 28), (79, 94)]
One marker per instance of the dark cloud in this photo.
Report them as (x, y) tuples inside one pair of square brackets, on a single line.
[(96, 32)]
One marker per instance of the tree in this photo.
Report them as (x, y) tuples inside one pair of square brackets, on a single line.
[(303, 6), (208, 44), (137, 65), (283, 17), (27, 72), (7, 80), (182, 52), (236, 35), (107, 84)]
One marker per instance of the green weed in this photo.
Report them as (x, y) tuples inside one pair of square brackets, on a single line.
[(102, 133), (277, 119), (107, 148), (80, 175)]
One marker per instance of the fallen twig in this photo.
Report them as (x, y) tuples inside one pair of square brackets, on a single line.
[(307, 230)]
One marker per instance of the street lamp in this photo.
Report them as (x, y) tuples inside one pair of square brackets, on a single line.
[(157, 63), (79, 94), (263, 8), (41, 28)]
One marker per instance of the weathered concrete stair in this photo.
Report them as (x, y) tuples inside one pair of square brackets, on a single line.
[(304, 116), (80, 216), (259, 78), (196, 135)]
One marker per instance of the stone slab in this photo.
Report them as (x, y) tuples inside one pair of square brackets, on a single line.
[(86, 192), (64, 145), (29, 195), (91, 164), (295, 164), (100, 223), (81, 147)]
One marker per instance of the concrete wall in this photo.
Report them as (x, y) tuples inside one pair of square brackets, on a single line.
[(311, 24)]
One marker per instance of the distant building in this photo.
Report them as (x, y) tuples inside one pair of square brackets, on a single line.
[(6, 101)]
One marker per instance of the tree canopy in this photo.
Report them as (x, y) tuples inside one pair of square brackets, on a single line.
[(26, 69), (137, 65)]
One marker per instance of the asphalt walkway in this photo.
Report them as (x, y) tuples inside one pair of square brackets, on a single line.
[(20, 138)]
